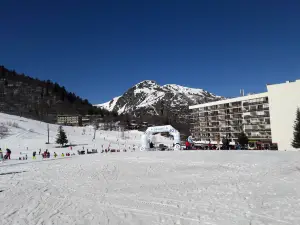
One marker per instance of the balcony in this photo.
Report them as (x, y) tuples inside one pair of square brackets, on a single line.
[(257, 130), (213, 107), (256, 103), (213, 113), (235, 104), (256, 116), (265, 126), (255, 110), (222, 112)]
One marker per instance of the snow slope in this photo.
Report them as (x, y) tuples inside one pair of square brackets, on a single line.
[(32, 134), (184, 187)]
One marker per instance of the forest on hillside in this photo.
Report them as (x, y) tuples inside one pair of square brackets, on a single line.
[(43, 100)]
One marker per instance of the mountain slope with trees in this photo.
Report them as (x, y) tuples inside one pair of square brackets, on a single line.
[(42, 100)]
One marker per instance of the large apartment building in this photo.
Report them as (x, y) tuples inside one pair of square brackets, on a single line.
[(266, 117), (228, 118)]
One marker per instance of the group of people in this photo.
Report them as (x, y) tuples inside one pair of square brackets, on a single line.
[(46, 154), (6, 156)]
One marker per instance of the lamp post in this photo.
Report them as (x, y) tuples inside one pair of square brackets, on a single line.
[(48, 131)]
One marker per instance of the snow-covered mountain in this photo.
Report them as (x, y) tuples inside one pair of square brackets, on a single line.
[(151, 98)]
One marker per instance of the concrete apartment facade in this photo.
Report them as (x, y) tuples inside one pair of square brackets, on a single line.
[(266, 117)]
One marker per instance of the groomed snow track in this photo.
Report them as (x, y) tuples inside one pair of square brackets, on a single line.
[(192, 187)]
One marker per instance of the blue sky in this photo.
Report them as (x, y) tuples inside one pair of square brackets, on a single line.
[(99, 49)]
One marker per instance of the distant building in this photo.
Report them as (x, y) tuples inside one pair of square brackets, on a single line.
[(265, 117), (69, 120), (91, 119), (145, 124), (86, 121), (133, 125)]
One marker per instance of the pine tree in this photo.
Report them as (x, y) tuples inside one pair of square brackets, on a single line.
[(61, 136), (243, 139), (296, 140)]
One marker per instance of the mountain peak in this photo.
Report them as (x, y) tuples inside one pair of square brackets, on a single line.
[(149, 97), (146, 83)]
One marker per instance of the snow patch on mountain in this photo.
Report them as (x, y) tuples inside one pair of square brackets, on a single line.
[(109, 105), (122, 110), (151, 99), (185, 90)]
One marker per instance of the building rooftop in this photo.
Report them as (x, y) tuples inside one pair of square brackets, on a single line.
[(288, 81), (225, 101)]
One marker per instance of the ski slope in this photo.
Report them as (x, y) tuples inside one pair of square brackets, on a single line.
[(176, 187), (31, 135), (184, 187)]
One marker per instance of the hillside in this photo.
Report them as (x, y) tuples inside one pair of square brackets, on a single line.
[(33, 98), (22, 133)]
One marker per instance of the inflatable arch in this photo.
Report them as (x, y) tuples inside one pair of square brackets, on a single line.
[(145, 142)]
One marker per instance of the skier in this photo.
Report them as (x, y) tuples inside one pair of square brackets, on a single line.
[(55, 154), (34, 155), (45, 154), (1, 155), (40, 151), (48, 154), (62, 154), (209, 146), (151, 145), (187, 145), (8, 153)]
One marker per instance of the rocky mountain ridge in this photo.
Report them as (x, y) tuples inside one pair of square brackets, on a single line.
[(150, 98)]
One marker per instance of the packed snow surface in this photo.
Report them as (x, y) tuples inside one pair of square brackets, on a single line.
[(185, 187)]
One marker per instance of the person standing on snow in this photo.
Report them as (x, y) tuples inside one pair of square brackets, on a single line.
[(33, 155), (8, 153), (1, 155), (45, 154), (55, 154)]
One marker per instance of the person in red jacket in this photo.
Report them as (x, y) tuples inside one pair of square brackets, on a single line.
[(8, 153), (209, 146), (187, 145)]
